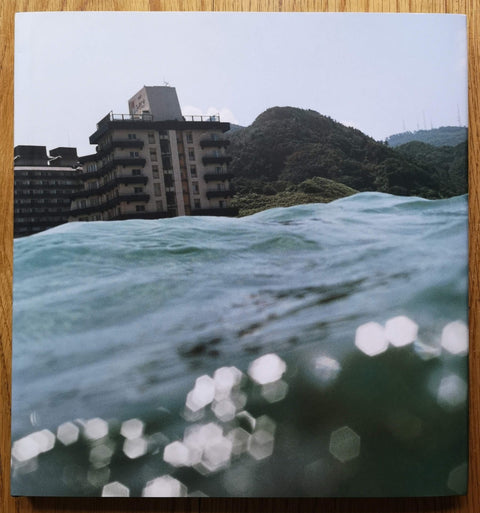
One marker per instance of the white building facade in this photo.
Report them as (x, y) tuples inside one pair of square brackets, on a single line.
[(154, 163)]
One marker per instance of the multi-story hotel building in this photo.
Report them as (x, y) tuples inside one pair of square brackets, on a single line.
[(43, 187), (154, 162)]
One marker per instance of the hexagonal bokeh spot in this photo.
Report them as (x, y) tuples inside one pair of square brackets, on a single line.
[(455, 338), (267, 369), (274, 392), (164, 486), (452, 392), (327, 369), (177, 454), (135, 447), (401, 331), (25, 449), (132, 428), (96, 428), (457, 479), (216, 456), (344, 444), (202, 393), (224, 410), (45, 440), (260, 444), (101, 455), (32, 445), (370, 339), (68, 433), (115, 489)]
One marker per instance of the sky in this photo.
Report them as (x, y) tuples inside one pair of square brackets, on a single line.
[(380, 73)]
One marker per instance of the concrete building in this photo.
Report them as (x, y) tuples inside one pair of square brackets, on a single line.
[(153, 163), (43, 187)]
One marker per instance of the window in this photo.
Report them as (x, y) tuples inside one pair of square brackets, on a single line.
[(155, 171), (193, 171), (218, 170), (159, 204), (132, 136), (140, 208), (196, 203), (157, 189), (189, 137), (136, 172), (134, 154), (221, 204), (195, 188), (153, 155), (191, 154), (151, 138), (165, 146), (167, 162), (138, 190)]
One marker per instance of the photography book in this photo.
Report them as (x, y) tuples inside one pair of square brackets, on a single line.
[(240, 256)]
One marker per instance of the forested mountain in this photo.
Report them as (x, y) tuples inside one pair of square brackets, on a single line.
[(450, 162), (443, 136), (275, 158)]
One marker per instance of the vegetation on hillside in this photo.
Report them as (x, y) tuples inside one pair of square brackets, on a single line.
[(449, 162), (443, 136), (313, 190), (290, 156)]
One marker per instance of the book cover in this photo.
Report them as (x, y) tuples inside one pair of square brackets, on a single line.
[(240, 256)]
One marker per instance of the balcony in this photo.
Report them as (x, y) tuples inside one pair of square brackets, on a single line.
[(212, 177), (120, 143), (128, 198), (108, 166), (216, 159), (214, 143), (215, 193), (125, 180)]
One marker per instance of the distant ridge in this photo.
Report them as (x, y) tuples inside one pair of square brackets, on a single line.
[(443, 136)]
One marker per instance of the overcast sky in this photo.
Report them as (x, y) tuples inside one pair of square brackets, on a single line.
[(382, 73)]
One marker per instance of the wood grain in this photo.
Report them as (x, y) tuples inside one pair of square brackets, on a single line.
[(469, 503)]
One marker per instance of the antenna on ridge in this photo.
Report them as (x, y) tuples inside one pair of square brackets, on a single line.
[(165, 83), (459, 119)]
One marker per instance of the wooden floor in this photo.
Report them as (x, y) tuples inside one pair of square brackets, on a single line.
[(471, 502)]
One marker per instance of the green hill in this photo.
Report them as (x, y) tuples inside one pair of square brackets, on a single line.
[(443, 136), (449, 162), (285, 147)]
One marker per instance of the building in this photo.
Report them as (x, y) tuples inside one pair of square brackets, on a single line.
[(154, 162), (43, 187)]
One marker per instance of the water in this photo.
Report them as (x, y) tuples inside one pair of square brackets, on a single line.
[(117, 320)]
